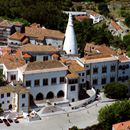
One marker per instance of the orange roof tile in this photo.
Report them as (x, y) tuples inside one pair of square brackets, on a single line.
[(80, 18), (72, 75), (11, 61), (26, 55), (122, 126), (115, 25), (41, 33), (123, 58), (17, 36), (38, 48), (93, 14), (42, 65)]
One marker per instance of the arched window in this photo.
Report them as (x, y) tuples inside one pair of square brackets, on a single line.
[(50, 95), (39, 96), (10, 106), (60, 94)]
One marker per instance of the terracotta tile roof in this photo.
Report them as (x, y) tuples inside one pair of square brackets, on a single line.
[(115, 25), (26, 40), (11, 61), (55, 56), (80, 18), (75, 67), (9, 88), (41, 33), (26, 55), (38, 48), (72, 76), (122, 126), (99, 49), (123, 58), (94, 14), (17, 36), (41, 65), (98, 58)]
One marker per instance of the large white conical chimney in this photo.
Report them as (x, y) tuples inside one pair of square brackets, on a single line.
[(70, 43)]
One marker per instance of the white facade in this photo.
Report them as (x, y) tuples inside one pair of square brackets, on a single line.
[(96, 18), (50, 87)]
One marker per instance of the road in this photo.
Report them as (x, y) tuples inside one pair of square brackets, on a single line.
[(81, 118)]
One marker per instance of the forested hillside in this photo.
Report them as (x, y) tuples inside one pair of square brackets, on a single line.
[(45, 12)]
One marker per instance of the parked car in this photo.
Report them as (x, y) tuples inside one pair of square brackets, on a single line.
[(6, 122), (1, 121), (10, 120)]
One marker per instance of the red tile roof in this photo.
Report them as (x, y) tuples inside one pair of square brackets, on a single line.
[(80, 18), (115, 25), (17, 36), (122, 126)]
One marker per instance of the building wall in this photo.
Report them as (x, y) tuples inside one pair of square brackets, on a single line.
[(5, 101), (99, 76), (44, 89), (23, 102), (72, 95), (54, 42)]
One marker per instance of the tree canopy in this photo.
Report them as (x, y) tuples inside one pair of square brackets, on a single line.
[(116, 90), (115, 113)]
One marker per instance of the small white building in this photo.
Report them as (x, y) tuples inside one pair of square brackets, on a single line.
[(96, 17)]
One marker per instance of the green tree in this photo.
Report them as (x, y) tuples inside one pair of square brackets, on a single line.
[(117, 112), (127, 20), (116, 90), (103, 9)]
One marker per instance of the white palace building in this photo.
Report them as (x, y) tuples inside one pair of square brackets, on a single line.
[(62, 75)]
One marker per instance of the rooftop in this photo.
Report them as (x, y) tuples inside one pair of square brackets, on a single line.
[(11, 61), (72, 76), (42, 65), (123, 58), (80, 18), (9, 88), (98, 58), (38, 48), (41, 33), (17, 36), (115, 25), (122, 126)]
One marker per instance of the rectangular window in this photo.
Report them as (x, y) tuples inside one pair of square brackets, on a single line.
[(37, 82), (95, 81), (62, 80), (53, 81), (112, 79), (88, 72), (82, 74), (45, 58), (103, 80), (73, 81), (104, 69), (23, 95), (8, 94), (95, 70), (28, 83), (45, 82), (13, 77), (72, 88), (23, 105), (113, 68), (2, 95)]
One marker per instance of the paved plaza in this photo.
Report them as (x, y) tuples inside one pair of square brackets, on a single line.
[(85, 116)]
